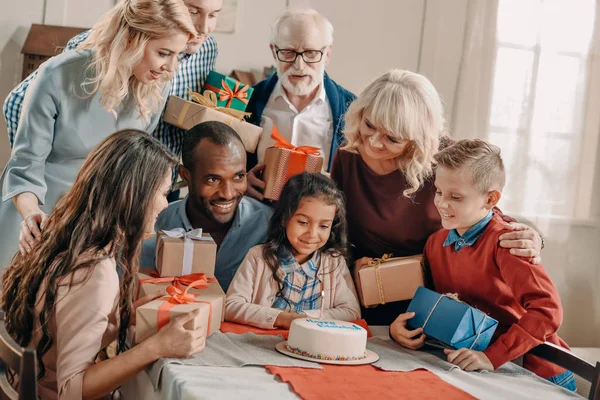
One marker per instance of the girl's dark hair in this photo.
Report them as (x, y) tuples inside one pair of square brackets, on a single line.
[(295, 190), (102, 215)]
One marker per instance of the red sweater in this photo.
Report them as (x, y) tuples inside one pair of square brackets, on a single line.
[(518, 294)]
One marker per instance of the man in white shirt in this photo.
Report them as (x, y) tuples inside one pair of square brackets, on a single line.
[(300, 99)]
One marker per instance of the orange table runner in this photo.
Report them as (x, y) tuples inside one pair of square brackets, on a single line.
[(355, 382), (365, 382)]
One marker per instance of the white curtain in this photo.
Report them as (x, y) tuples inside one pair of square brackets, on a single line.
[(525, 75), (525, 82)]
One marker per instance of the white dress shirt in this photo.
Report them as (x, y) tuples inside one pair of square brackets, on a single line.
[(313, 126)]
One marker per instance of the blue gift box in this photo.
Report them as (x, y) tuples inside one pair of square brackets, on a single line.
[(451, 322)]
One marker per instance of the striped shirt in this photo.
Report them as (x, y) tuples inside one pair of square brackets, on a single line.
[(191, 73), (301, 285)]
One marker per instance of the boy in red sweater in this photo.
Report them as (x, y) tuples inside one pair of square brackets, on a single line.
[(465, 258)]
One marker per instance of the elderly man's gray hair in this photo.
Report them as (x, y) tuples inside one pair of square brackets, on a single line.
[(296, 15)]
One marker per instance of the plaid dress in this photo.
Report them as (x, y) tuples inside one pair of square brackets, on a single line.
[(301, 284)]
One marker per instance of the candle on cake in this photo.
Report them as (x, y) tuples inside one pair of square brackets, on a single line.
[(322, 303)]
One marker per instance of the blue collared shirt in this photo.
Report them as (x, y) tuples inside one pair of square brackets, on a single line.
[(191, 73), (248, 229), (470, 236)]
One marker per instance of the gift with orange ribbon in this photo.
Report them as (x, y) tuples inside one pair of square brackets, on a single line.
[(148, 282), (388, 279), (184, 295), (230, 92), (284, 160)]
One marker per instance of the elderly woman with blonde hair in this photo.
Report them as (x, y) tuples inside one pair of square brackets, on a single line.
[(393, 130), (118, 78)]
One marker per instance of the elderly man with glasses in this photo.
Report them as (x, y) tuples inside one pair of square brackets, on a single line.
[(305, 104)]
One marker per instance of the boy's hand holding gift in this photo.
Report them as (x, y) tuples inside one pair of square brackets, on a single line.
[(411, 339)]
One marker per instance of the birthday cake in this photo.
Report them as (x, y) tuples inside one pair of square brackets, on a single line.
[(327, 340)]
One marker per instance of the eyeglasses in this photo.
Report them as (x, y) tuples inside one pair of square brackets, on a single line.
[(309, 56)]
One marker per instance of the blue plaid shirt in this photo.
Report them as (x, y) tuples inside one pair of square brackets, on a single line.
[(191, 74), (301, 285)]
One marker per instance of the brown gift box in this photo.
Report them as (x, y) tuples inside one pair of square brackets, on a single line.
[(397, 279), (169, 255), (277, 163), (146, 316), (187, 114)]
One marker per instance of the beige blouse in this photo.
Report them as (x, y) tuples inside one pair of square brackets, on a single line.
[(253, 290), (85, 321)]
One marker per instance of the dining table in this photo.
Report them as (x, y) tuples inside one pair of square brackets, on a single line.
[(430, 378)]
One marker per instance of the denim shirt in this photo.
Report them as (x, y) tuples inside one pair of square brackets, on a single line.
[(470, 236)]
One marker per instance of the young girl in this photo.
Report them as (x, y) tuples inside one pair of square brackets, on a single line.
[(304, 255)]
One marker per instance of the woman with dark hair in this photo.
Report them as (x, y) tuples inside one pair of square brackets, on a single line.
[(72, 294), (304, 256)]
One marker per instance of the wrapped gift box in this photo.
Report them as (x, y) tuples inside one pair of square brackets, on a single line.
[(230, 93), (187, 114), (179, 255), (452, 322), (285, 160), (390, 279), (209, 298), (147, 282)]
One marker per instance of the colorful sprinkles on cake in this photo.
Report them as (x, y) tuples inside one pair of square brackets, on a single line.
[(319, 356)]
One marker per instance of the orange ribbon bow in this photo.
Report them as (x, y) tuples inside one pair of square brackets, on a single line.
[(227, 94), (177, 281), (298, 156), (177, 296)]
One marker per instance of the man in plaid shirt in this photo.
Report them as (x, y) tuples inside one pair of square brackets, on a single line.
[(193, 69)]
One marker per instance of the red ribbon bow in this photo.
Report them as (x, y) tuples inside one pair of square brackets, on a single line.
[(225, 93)]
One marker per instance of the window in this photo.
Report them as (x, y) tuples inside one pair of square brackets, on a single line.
[(542, 88)]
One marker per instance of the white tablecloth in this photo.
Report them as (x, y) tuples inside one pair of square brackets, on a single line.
[(180, 382)]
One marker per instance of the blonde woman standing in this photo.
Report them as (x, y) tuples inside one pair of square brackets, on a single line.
[(117, 79), (393, 130)]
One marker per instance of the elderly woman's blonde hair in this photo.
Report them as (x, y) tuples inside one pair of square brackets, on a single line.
[(119, 41), (407, 106)]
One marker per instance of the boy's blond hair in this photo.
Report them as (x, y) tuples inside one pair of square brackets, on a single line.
[(481, 160)]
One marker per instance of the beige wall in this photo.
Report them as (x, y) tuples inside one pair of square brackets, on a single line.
[(370, 38)]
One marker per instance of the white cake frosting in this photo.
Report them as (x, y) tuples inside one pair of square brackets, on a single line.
[(327, 340)]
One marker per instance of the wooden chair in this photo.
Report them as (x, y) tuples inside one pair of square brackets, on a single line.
[(19, 359), (566, 359)]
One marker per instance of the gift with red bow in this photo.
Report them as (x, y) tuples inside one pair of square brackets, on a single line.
[(183, 295), (230, 93), (284, 160)]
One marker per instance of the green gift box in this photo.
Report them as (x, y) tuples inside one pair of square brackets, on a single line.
[(230, 93)]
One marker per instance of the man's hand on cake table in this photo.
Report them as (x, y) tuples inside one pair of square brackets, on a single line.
[(285, 318), (410, 339), (469, 360)]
